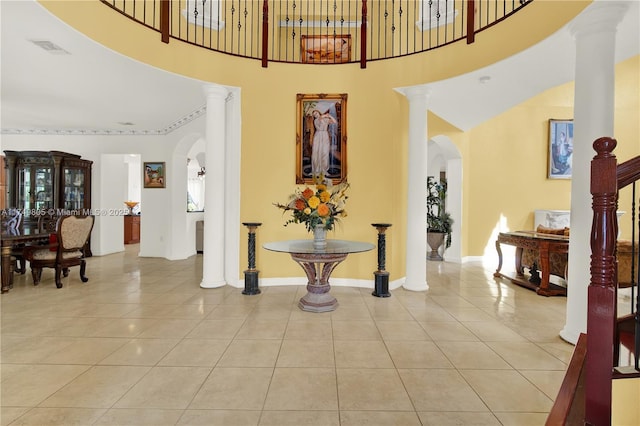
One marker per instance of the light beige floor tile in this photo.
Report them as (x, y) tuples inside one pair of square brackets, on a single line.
[(196, 353), (35, 349), (521, 419), (274, 311), (71, 327), (440, 390), (303, 353), (561, 350), (223, 312), (456, 418), (515, 393), (311, 329), (234, 389), (401, 330), (99, 387), (139, 417), (548, 382), (216, 329), (468, 313), (382, 311), (123, 327), (88, 350), (362, 354), (9, 414), (448, 332), (219, 417), (417, 354), (190, 312), (379, 418), (150, 311), (28, 385), (430, 314), (140, 352), (493, 331), (166, 388), (351, 312), (262, 329), (59, 416), (355, 330), (169, 329), (527, 356), (359, 389), (299, 418), (302, 389), (472, 355), (251, 353), (108, 310)]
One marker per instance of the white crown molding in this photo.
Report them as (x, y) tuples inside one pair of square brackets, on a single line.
[(109, 132)]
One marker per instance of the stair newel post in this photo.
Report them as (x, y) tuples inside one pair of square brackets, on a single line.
[(251, 274)]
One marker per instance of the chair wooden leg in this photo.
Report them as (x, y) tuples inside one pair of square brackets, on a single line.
[(36, 273), (65, 272), (83, 267), (58, 280)]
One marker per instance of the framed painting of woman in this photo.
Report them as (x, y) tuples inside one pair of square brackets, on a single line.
[(321, 138)]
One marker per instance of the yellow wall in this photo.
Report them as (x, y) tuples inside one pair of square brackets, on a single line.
[(625, 410), (376, 130)]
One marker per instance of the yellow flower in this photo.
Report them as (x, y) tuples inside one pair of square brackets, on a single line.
[(325, 196), (321, 187), (313, 202)]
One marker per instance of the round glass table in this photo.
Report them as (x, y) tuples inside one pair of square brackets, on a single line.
[(318, 265)]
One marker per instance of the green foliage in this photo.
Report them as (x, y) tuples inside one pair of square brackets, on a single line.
[(438, 220)]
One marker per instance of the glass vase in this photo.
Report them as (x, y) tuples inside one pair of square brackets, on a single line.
[(319, 237)]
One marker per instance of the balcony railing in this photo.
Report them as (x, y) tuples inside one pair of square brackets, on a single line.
[(318, 31)]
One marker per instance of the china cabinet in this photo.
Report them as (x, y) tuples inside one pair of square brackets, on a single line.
[(43, 180)]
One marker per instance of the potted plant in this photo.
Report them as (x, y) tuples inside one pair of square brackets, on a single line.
[(439, 222)]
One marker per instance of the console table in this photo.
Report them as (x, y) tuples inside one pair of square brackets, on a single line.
[(546, 245), (318, 265)]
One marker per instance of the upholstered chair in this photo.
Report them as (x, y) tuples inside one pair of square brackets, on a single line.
[(72, 235)]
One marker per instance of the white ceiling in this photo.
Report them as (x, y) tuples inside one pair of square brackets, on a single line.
[(94, 89)]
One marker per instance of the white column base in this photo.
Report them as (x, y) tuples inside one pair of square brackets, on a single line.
[(414, 286), (213, 284)]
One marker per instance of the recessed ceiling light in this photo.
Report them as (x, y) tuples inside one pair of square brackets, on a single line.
[(50, 47), (126, 123), (484, 79)]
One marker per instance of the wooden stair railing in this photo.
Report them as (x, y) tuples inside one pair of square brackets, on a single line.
[(568, 408)]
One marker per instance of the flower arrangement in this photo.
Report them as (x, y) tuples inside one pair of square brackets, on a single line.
[(322, 206)]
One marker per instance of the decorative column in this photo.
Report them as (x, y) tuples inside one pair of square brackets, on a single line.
[(416, 250), (381, 277), (214, 190), (594, 31), (251, 274)]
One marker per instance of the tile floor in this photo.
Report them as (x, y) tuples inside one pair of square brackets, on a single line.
[(142, 344)]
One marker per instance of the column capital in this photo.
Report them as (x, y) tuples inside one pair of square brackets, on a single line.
[(416, 92), (215, 91), (599, 17)]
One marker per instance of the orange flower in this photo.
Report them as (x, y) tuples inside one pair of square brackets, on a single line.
[(307, 193), (323, 210), (300, 204)]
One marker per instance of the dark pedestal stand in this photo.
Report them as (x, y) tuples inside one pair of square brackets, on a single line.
[(381, 282), (251, 274)]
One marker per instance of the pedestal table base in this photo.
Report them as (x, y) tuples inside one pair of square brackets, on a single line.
[(318, 267)]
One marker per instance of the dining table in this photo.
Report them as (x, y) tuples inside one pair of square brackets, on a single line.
[(318, 264), (15, 238)]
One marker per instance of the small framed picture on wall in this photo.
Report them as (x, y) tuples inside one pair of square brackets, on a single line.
[(154, 174), (560, 149)]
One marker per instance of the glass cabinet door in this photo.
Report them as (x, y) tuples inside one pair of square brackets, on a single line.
[(24, 190), (73, 189), (43, 188)]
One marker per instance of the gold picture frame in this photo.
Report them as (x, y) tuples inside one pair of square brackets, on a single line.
[(321, 121), (325, 49), (155, 174)]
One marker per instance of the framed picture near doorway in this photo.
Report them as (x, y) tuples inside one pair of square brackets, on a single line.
[(560, 149), (321, 138), (154, 174)]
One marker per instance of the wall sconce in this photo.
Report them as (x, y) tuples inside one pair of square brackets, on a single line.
[(201, 173)]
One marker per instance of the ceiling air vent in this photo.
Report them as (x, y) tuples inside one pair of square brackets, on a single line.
[(50, 47)]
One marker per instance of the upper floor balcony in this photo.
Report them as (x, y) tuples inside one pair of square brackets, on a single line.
[(318, 31)]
